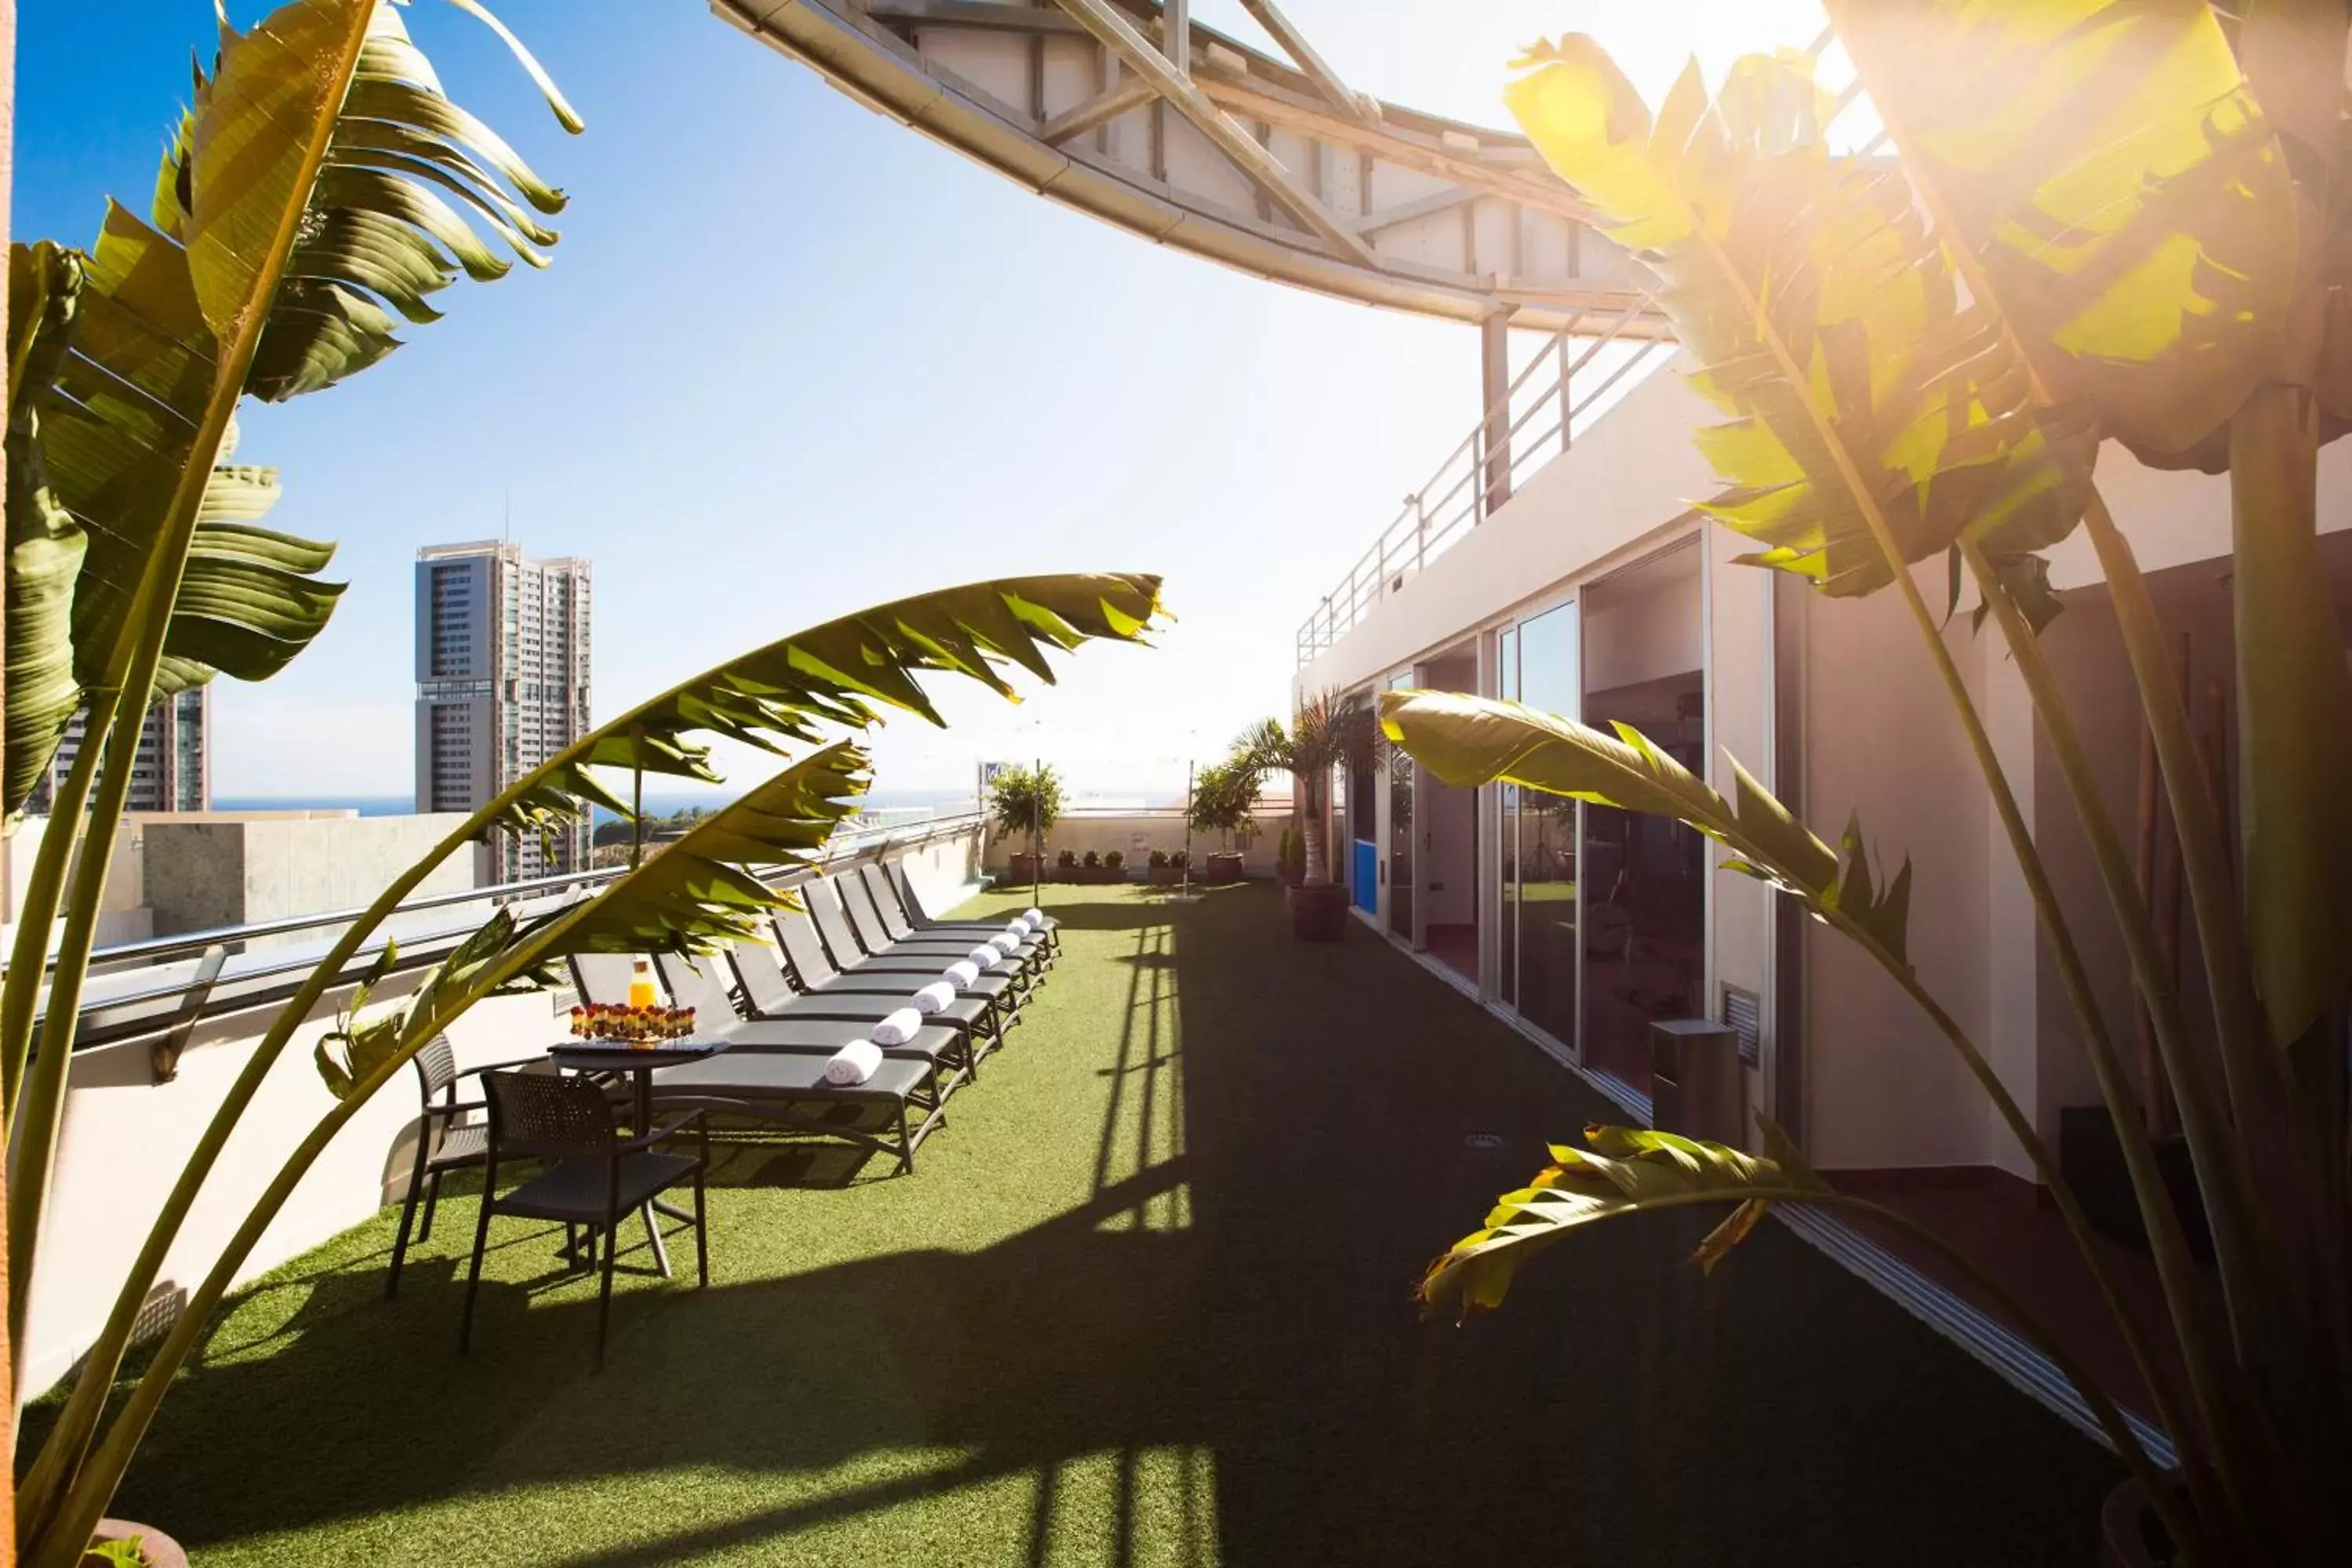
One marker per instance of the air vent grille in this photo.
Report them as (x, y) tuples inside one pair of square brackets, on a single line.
[(1743, 1013)]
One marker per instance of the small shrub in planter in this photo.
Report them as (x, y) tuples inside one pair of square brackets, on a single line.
[(1159, 859), (1092, 860), (1066, 865), (1166, 870), (1115, 860)]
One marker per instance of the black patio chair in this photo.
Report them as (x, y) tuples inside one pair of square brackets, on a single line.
[(590, 1175), (444, 1143)]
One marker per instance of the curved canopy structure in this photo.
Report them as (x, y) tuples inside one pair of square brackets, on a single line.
[(1183, 136)]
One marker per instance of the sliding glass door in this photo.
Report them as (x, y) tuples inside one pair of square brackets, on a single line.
[(1541, 830)]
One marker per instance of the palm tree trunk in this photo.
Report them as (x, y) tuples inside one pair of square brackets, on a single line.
[(1317, 872)]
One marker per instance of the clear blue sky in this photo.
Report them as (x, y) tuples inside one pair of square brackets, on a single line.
[(793, 359)]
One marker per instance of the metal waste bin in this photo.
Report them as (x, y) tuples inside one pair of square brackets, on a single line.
[(1696, 1085)]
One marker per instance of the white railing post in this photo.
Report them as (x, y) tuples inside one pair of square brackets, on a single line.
[(1566, 407)]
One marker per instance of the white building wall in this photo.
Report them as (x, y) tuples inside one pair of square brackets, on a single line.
[(1881, 1085)]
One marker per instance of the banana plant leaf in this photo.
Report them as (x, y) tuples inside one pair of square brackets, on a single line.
[(692, 897), (1625, 1171), (2168, 241), (1471, 741), (45, 543), (1828, 323), (132, 374), (706, 889), (845, 673), (2109, 166)]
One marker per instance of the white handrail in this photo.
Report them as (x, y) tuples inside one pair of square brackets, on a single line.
[(1460, 493)]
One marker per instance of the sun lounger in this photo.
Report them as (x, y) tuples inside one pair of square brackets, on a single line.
[(969, 1023), (850, 955), (911, 905), (788, 1089)]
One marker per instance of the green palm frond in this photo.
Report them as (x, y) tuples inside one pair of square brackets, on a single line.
[(1626, 1171), (1471, 741), (708, 887), (701, 892), (1863, 391), (843, 673)]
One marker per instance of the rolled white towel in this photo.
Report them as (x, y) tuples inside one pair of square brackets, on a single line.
[(1034, 917), (1001, 963), (983, 957), (963, 975), (897, 1028), (853, 1064), (1006, 944), (933, 997), (1017, 928)]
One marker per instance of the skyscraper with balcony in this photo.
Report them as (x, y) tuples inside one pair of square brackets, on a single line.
[(173, 770), (502, 661)]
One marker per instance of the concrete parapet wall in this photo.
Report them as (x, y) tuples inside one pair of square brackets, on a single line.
[(199, 874)]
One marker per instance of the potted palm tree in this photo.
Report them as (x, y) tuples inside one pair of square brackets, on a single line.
[(1326, 731), (1290, 857), (1222, 796), (1024, 803)]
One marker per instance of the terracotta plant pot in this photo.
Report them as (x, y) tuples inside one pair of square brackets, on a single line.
[(1023, 869), (1319, 913), (161, 1549), (1289, 876), (1224, 866)]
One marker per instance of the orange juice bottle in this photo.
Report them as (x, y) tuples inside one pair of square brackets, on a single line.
[(642, 991)]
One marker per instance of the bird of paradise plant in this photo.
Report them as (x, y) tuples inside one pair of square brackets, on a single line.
[(303, 204), (2106, 219), (300, 209)]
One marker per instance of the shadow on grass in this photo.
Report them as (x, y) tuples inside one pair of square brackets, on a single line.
[(1243, 1294)]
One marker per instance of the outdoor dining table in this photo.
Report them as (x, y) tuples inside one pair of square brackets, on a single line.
[(639, 1063)]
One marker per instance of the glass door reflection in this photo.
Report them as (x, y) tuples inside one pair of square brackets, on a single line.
[(1400, 831), (1541, 828)]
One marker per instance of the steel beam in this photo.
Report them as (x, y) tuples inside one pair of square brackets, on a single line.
[(1495, 389), (1419, 207), (986, 14), (1117, 35), (1100, 109), (1485, 170), (1342, 97)]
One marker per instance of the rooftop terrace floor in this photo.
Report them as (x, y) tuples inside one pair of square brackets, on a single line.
[(1146, 1301)]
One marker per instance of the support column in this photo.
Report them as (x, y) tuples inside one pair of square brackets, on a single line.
[(1495, 398), (1178, 40)]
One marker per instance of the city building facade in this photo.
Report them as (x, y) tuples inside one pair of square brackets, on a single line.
[(173, 770), (502, 683)]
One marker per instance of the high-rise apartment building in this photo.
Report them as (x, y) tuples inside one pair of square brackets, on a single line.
[(173, 770), (502, 685)]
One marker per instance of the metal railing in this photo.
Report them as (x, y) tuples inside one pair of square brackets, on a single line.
[(1531, 424), (170, 982)]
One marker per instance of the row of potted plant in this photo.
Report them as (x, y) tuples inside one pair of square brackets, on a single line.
[(1161, 867)]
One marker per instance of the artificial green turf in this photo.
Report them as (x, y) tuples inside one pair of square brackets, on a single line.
[(1145, 1301)]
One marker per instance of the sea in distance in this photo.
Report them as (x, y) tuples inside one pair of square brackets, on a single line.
[(657, 802)]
